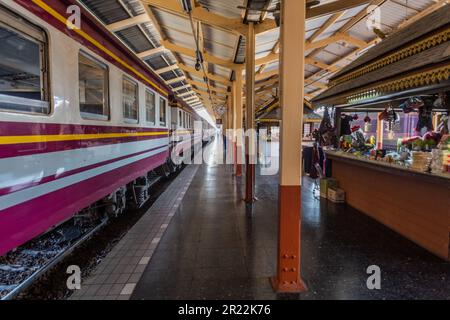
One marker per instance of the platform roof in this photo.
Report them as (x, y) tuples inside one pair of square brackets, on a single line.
[(410, 53), (160, 32)]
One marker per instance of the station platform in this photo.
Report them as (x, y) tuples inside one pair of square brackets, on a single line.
[(200, 241)]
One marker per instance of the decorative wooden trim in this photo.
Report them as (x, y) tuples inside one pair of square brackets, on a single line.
[(409, 51), (428, 77)]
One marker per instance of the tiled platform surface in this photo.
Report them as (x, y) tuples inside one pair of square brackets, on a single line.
[(215, 248), (117, 275)]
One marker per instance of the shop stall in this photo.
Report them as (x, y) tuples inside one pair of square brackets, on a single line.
[(388, 136)]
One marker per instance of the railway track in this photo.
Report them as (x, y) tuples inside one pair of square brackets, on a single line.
[(20, 269)]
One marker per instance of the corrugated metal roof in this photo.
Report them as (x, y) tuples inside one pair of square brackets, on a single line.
[(229, 46), (352, 12), (135, 39), (156, 62), (107, 11), (431, 22), (228, 8), (267, 40), (169, 75), (327, 57), (151, 33), (178, 84), (331, 30), (219, 43), (271, 66), (221, 71), (316, 23), (134, 7)]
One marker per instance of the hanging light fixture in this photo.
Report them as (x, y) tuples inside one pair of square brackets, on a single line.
[(187, 5), (199, 64)]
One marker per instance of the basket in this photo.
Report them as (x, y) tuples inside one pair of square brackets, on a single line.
[(336, 195), (325, 184)]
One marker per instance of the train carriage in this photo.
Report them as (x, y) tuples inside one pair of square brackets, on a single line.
[(81, 118)]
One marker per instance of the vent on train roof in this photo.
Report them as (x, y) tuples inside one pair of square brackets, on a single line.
[(135, 39), (108, 11)]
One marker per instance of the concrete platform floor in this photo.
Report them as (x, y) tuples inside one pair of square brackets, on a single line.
[(216, 248)]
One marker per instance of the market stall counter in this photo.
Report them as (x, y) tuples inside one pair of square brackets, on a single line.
[(413, 203), (387, 116)]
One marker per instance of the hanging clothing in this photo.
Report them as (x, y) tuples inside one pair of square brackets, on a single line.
[(307, 159), (345, 125), (425, 119)]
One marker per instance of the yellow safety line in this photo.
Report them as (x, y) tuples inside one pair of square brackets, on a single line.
[(61, 18), (71, 137)]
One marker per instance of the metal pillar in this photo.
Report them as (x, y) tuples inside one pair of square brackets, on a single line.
[(250, 137), (288, 278)]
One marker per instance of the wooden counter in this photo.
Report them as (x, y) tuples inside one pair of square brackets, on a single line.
[(414, 204)]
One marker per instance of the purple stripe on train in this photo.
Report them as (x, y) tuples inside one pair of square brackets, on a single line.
[(27, 220), (8, 128)]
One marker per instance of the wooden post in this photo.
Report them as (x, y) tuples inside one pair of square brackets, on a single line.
[(288, 277), (238, 119), (228, 128), (250, 136), (338, 121)]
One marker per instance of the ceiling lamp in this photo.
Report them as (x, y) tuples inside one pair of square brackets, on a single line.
[(187, 5)]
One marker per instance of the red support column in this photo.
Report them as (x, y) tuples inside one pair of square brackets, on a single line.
[(238, 166), (288, 278)]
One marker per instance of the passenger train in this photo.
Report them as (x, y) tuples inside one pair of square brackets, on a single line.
[(82, 120)]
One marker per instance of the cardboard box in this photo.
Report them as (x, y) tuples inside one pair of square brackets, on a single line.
[(325, 184), (336, 195)]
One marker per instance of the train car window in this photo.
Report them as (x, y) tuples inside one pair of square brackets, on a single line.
[(130, 99), (150, 106), (93, 87), (162, 112), (180, 118), (23, 65)]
